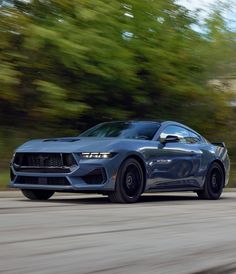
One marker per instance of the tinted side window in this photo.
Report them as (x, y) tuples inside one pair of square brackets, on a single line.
[(193, 138), (182, 133)]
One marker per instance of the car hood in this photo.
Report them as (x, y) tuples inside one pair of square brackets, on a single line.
[(75, 144)]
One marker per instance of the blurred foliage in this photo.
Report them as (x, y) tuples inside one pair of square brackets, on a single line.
[(66, 65)]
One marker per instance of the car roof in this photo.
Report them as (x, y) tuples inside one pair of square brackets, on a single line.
[(133, 121), (160, 122)]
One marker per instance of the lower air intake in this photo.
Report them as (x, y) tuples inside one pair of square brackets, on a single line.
[(51, 181), (97, 176)]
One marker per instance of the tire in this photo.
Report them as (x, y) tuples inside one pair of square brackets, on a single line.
[(37, 194), (129, 183), (214, 183)]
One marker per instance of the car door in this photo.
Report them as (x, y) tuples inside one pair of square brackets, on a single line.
[(176, 163)]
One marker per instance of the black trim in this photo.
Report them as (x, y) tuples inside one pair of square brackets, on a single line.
[(50, 181), (44, 170), (97, 176), (220, 144)]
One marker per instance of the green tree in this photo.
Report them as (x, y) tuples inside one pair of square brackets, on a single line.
[(74, 63)]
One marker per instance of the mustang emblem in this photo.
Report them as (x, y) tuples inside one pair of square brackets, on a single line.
[(42, 160)]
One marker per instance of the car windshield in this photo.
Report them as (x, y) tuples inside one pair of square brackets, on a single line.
[(129, 130)]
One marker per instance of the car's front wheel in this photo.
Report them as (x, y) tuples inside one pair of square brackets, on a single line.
[(129, 182), (37, 194), (214, 183)]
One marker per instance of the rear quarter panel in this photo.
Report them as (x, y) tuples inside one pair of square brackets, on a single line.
[(221, 154)]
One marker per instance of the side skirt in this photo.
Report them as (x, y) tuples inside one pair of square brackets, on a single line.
[(172, 189)]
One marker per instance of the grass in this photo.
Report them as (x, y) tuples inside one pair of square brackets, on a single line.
[(4, 179), (232, 178)]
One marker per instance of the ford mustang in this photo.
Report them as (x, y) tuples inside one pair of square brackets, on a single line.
[(122, 160)]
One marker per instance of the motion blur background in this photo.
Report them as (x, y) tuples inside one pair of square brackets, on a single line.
[(67, 65)]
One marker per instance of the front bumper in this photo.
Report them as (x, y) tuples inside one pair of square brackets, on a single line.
[(90, 176)]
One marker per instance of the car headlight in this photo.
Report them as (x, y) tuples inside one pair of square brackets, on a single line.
[(97, 155)]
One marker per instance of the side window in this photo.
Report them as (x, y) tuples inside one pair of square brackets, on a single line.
[(182, 133), (193, 138)]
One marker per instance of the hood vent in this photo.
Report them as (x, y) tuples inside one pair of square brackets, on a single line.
[(64, 140)]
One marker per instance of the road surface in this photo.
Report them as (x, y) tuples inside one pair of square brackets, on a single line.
[(164, 233)]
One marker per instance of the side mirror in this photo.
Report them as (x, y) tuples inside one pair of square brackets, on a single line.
[(171, 139)]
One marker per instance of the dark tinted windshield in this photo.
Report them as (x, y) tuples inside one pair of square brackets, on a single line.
[(130, 130)]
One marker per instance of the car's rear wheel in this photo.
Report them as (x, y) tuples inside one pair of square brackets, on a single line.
[(214, 183), (129, 182), (37, 194)]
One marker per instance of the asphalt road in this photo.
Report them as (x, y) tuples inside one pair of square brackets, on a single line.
[(164, 233)]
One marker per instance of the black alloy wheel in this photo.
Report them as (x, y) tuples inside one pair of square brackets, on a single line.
[(129, 183), (214, 183)]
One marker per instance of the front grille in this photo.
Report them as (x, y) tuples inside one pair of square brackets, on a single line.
[(51, 181), (97, 176), (44, 162)]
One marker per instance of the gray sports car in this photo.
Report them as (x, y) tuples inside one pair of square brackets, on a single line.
[(122, 160)]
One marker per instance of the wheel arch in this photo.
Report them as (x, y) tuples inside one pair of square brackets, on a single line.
[(221, 165), (140, 160)]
